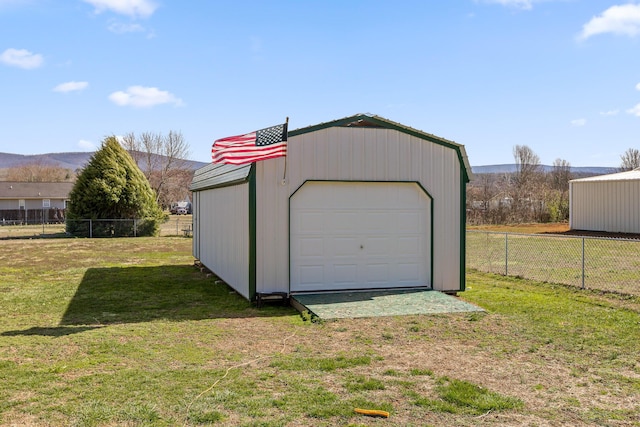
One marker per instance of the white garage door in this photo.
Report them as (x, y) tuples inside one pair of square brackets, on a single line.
[(360, 235)]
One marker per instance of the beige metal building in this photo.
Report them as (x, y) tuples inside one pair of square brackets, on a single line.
[(358, 203), (606, 203)]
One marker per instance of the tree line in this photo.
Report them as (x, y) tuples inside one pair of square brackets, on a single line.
[(530, 194), (160, 157)]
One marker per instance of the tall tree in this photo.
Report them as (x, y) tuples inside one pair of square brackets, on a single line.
[(111, 186), (560, 175), (527, 164), (557, 200), (630, 159), (162, 158), (527, 179)]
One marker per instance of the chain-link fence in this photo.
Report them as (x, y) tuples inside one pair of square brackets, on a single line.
[(176, 225), (586, 262)]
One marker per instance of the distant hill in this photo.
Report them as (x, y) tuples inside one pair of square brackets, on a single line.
[(73, 160), (511, 168)]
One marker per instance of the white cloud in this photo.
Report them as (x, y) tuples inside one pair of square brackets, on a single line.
[(578, 122), (621, 20), (133, 8), (609, 113), (140, 96), (638, 86), (86, 145), (518, 4), (21, 58), (120, 28), (635, 110), (70, 86)]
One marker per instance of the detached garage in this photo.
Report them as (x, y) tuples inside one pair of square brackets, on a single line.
[(608, 203), (358, 203)]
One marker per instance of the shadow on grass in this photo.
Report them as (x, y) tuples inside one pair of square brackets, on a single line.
[(145, 294), (58, 331)]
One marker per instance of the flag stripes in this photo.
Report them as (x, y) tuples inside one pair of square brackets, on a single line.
[(260, 145)]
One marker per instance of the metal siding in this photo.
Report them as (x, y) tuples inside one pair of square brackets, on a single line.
[(195, 208), (606, 205), (358, 154), (223, 231)]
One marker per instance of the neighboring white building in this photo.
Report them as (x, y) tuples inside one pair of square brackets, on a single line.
[(606, 203), (366, 203)]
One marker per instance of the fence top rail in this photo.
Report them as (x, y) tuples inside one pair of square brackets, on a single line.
[(107, 219), (556, 236)]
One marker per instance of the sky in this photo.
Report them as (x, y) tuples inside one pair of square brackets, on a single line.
[(559, 76)]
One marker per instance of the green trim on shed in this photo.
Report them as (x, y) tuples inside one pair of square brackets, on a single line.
[(463, 235), (252, 233)]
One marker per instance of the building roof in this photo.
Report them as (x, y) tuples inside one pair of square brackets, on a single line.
[(632, 175), (373, 121), (35, 190), (216, 175)]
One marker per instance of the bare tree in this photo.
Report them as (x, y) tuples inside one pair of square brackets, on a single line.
[(527, 164), (39, 171), (526, 181), (133, 146), (560, 175), (630, 159), (162, 159)]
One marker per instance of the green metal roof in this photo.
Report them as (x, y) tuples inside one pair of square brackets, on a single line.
[(219, 175)]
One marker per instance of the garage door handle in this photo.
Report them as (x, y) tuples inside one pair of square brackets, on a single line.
[(361, 247)]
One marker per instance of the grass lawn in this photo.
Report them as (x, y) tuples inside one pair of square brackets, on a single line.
[(127, 332)]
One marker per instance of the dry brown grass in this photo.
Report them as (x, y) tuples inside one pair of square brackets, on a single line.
[(530, 228)]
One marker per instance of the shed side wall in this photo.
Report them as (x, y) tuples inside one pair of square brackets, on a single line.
[(222, 228), (612, 206), (358, 154)]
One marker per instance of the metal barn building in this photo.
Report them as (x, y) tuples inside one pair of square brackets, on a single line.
[(358, 203), (606, 203)]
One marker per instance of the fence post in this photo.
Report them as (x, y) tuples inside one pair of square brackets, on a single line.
[(583, 239), (506, 254), (90, 228), (135, 227), (177, 225)]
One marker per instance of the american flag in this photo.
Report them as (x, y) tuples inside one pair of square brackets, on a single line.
[(252, 147)]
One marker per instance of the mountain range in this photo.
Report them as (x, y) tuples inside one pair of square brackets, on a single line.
[(73, 160), (76, 160), (511, 168)]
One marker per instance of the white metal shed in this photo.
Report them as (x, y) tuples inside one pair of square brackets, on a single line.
[(366, 203), (606, 203)]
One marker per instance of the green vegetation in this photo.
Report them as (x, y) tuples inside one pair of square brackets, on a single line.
[(128, 332), (457, 396), (609, 264), (112, 187)]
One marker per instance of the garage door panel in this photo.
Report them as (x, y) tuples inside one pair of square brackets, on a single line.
[(311, 275), (342, 221), (408, 272), (377, 272), (408, 245), (312, 247), (410, 222), (342, 246), (377, 246), (345, 274), (354, 235), (310, 222)]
